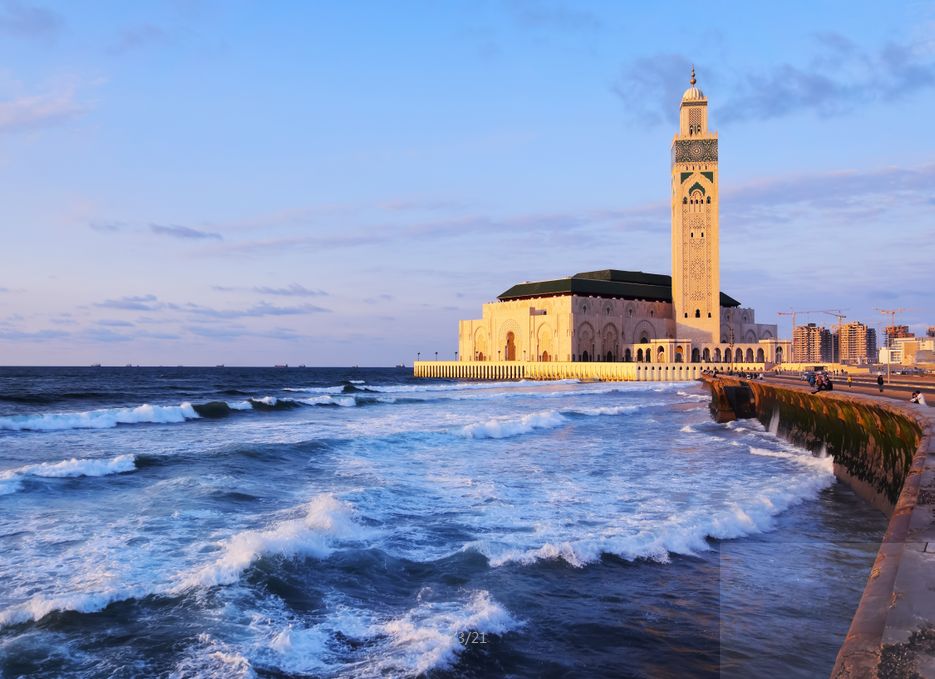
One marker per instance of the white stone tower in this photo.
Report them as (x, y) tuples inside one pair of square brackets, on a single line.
[(696, 275)]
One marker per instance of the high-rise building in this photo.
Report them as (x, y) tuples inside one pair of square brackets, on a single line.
[(812, 344), (893, 332), (857, 343)]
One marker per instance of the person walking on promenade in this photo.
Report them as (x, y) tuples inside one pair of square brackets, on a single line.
[(880, 382), (850, 382)]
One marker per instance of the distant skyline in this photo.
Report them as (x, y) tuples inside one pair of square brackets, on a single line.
[(247, 183)]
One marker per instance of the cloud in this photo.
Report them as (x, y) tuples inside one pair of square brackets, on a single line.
[(541, 14), (183, 232), (29, 21), (35, 336), (114, 323), (837, 77), (651, 87), (108, 227), (137, 37), (38, 111), (132, 303), (846, 196), (256, 311), (293, 290), (377, 299)]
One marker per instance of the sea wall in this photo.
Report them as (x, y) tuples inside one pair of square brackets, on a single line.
[(886, 451), (561, 370)]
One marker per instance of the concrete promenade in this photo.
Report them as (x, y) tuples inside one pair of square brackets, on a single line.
[(892, 633), (558, 370)]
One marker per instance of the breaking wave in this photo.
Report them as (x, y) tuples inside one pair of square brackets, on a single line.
[(504, 427), (422, 639), (326, 521), (104, 418), (752, 511)]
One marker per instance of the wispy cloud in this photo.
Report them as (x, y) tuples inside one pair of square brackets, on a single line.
[(137, 37), (107, 227), (32, 336), (183, 232), (132, 303), (255, 311), (25, 20), (545, 14), (37, 111), (292, 290), (833, 80)]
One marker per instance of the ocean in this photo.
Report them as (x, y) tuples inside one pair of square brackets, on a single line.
[(227, 522)]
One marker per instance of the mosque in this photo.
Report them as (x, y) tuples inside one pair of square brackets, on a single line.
[(614, 316)]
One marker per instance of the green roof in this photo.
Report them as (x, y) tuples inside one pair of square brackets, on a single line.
[(605, 283)]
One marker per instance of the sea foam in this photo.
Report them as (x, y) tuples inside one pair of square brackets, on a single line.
[(11, 479), (326, 520), (104, 418)]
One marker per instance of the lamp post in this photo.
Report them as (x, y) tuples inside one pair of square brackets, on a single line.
[(436, 356), (456, 357), (418, 355)]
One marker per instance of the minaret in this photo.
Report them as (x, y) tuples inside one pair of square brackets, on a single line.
[(695, 237)]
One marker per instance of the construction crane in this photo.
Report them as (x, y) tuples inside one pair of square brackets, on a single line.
[(892, 314)]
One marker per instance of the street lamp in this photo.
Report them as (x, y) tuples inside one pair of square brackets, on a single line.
[(418, 355), (436, 356)]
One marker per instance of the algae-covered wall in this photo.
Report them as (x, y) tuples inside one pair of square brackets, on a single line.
[(872, 443)]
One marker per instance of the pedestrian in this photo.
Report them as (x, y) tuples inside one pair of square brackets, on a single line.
[(850, 381), (880, 382), (917, 397)]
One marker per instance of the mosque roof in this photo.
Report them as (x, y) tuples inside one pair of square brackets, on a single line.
[(605, 283)]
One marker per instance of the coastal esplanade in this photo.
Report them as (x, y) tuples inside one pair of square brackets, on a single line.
[(629, 325)]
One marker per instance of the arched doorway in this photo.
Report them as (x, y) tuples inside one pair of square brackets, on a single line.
[(696, 355), (738, 356), (706, 355), (510, 351), (545, 357), (717, 354), (661, 355), (609, 356), (778, 354), (585, 356), (760, 356), (639, 355), (627, 355), (678, 354), (480, 356)]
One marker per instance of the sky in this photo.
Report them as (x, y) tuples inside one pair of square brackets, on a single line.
[(337, 183)]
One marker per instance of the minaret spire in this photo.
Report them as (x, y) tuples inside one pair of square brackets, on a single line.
[(692, 81)]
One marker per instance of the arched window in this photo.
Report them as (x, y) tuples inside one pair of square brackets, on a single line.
[(709, 200), (684, 201), (697, 313)]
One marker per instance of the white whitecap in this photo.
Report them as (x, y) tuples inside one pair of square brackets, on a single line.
[(104, 418), (11, 479), (325, 521)]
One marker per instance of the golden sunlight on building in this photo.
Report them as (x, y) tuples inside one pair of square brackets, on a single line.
[(632, 325)]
